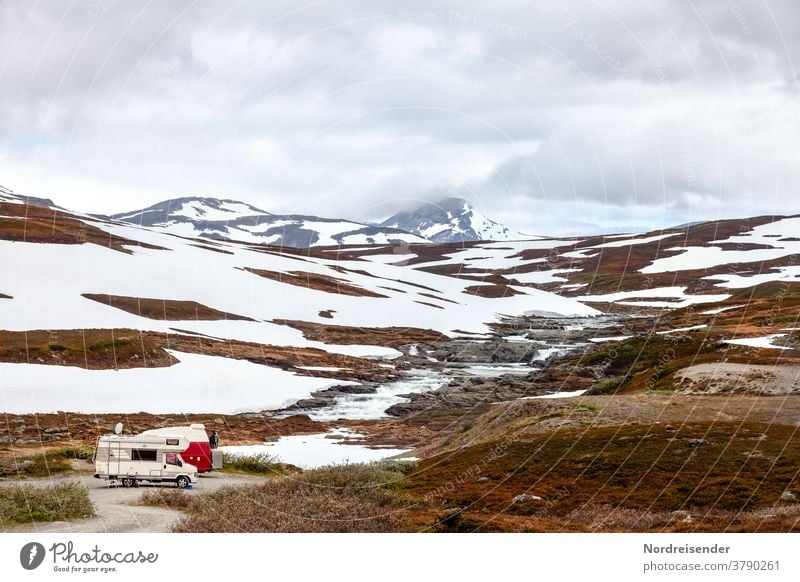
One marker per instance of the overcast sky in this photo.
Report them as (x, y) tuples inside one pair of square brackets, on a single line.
[(551, 117)]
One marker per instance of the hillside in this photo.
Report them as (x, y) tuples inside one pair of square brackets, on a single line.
[(198, 314), (165, 306), (629, 382), (232, 220)]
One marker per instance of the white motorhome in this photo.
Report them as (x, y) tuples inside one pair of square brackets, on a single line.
[(149, 458)]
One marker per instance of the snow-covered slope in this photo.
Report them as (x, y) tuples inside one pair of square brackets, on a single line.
[(451, 220), (61, 271), (232, 220), (765, 242), (222, 277)]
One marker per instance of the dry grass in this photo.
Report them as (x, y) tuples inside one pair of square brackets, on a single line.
[(169, 497), (88, 348), (347, 335), (317, 282), (26, 503), (104, 349), (347, 498), (37, 224), (255, 464), (45, 464), (637, 475), (164, 309)]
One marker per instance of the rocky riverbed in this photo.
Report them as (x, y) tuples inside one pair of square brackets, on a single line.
[(516, 361)]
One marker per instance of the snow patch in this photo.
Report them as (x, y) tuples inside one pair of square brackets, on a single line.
[(317, 450)]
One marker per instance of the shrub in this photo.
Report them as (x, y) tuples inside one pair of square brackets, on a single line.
[(167, 497), (25, 503), (607, 386), (45, 464), (254, 464), (586, 408), (343, 498), (82, 453)]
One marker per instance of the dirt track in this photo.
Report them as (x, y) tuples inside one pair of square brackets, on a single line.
[(116, 507), (746, 378)]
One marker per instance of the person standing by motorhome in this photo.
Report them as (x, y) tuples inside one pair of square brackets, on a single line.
[(213, 440)]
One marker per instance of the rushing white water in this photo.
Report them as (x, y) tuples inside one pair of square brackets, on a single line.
[(371, 406), (317, 450), (497, 370)]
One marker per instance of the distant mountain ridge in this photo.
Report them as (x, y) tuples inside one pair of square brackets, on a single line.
[(224, 219), (448, 221), (451, 220), (7, 195)]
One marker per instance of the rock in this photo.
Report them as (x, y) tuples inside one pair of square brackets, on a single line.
[(682, 516), (482, 479), (788, 496), (5, 439), (694, 443), (26, 427), (219, 421), (22, 442), (525, 497), (53, 429)]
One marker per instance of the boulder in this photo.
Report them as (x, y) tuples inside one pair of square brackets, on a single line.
[(694, 443), (525, 497), (682, 516)]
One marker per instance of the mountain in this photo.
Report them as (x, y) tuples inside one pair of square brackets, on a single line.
[(102, 315), (682, 340), (232, 220), (7, 195), (451, 220)]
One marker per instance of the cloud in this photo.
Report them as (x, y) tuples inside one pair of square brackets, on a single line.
[(551, 116)]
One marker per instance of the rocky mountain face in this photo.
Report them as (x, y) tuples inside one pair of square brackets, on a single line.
[(451, 220), (232, 220)]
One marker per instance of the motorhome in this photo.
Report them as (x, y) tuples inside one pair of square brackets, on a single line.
[(198, 452), (131, 460)]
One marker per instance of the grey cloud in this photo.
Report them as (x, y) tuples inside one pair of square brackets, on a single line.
[(590, 111)]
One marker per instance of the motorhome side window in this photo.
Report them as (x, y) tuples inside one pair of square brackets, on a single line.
[(171, 459), (144, 455)]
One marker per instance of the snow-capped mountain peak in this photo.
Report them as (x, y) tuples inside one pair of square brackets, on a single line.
[(239, 221), (200, 209), (451, 220)]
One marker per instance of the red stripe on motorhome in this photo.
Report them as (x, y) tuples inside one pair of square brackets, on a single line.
[(199, 455)]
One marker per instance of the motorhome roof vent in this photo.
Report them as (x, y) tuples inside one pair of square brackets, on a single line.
[(198, 426)]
